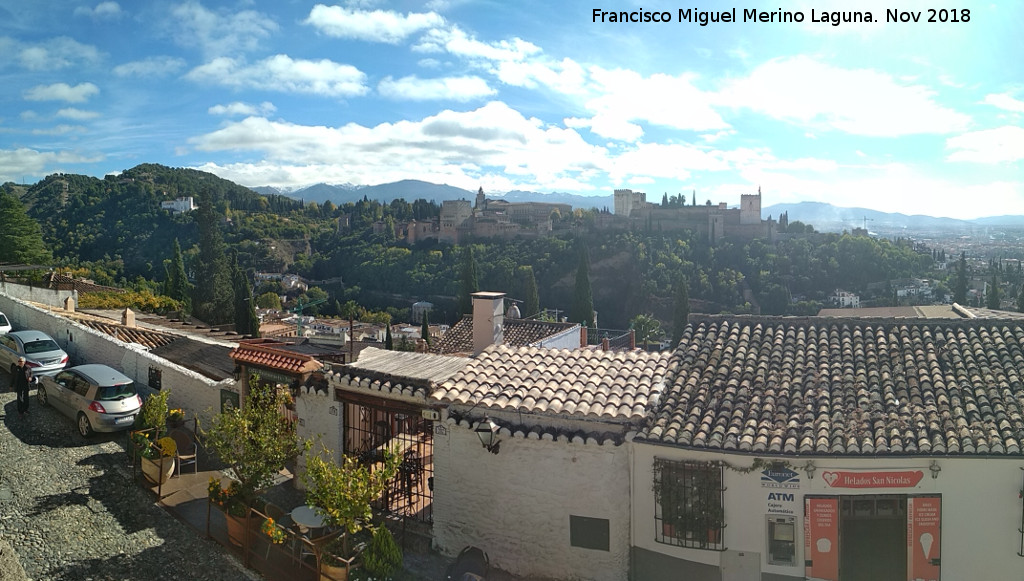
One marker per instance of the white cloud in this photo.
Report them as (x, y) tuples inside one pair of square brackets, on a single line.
[(1004, 102), (372, 26), (860, 102), (218, 34), (456, 146), (243, 109), (670, 101), (157, 66), (77, 114), (102, 11), (17, 163), (59, 130), (56, 54), (413, 88), (62, 92), (1000, 145), (284, 74)]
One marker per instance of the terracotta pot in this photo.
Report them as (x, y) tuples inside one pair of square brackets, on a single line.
[(332, 572), (159, 470)]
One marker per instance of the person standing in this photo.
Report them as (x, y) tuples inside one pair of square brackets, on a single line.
[(22, 378)]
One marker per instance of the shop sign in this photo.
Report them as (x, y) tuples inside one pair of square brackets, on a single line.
[(821, 538), (876, 479), (782, 503), (780, 478), (923, 517)]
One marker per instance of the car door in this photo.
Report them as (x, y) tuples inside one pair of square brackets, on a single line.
[(78, 396), (8, 352), (58, 390)]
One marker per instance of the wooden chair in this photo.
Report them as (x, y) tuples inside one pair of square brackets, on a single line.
[(315, 546), (187, 451)]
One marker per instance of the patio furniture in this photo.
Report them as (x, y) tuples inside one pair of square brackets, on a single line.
[(187, 451), (472, 564)]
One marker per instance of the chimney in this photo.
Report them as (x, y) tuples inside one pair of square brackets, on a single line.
[(128, 318), (488, 320)]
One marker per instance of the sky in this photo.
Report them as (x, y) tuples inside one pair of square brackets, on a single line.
[(913, 117)]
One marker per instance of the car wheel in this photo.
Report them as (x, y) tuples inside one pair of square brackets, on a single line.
[(84, 427), (41, 396)]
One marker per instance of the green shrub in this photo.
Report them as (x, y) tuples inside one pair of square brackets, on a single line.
[(382, 557)]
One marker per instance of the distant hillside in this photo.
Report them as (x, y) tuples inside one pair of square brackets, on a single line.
[(410, 190), (828, 218)]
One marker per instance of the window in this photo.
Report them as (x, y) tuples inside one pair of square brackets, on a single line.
[(689, 504), (588, 532)]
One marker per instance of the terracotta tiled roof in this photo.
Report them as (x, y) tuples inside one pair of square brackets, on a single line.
[(144, 337), (399, 371), (845, 387), (605, 385), (517, 333), (254, 353)]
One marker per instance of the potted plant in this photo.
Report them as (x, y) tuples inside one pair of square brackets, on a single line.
[(254, 443), (343, 496), (154, 414), (175, 418), (157, 458)]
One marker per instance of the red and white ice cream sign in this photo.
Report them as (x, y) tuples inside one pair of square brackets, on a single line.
[(872, 479), (821, 538), (924, 514)]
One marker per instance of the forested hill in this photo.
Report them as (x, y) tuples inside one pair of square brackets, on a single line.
[(118, 218)]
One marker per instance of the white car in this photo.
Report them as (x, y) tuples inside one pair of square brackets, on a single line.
[(41, 353), (99, 398), (5, 324)]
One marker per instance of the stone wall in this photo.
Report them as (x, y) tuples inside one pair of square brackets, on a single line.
[(195, 393), (516, 505)]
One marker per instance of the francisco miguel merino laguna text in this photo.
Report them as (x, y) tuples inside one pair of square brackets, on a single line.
[(835, 18)]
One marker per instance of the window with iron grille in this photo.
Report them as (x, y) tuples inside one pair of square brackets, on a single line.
[(689, 499)]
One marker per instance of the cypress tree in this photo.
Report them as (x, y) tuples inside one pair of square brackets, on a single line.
[(246, 321), (992, 296), (389, 343), (1020, 299), (425, 328), (21, 238), (467, 280), (681, 310), (960, 290), (583, 301), (526, 290), (177, 286), (213, 297)]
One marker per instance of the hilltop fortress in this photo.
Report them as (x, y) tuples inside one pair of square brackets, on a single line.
[(462, 220)]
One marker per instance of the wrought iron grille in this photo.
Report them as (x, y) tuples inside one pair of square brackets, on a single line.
[(369, 430), (689, 509)]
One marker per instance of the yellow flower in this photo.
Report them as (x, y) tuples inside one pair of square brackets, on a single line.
[(167, 446)]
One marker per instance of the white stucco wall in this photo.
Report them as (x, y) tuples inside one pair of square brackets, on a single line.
[(516, 505), (195, 393), (568, 339), (54, 298), (320, 421), (980, 508)]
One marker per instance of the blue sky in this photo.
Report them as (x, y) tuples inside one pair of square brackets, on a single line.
[(908, 117)]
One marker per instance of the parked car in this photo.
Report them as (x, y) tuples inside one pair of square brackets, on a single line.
[(99, 398), (41, 353), (5, 324)]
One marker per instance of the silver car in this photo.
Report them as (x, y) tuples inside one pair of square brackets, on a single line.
[(5, 324), (41, 353), (99, 398)]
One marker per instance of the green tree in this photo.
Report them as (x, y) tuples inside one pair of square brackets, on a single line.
[(467, 280), (582, 310), (992, 295), (1020, 299), (269, 301), (246, 321), (526, 290), (213, 299), (680, 310), (425, 327), (21, 238), (177, 286), (960, 288), (389, 343), (645, 329)]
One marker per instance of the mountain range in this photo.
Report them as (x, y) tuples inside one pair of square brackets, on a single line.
[(823, 216)]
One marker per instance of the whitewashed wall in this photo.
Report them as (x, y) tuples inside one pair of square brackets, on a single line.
[(516, 505), (981, 511), (195, 393), (54, 298), (568, 339), (320, 421)]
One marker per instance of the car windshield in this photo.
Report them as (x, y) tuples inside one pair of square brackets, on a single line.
[(115, 392), (3, 321), (41, 346)]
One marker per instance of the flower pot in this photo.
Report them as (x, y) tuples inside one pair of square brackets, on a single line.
[(236, 528), (157, 470), (330, 571)]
